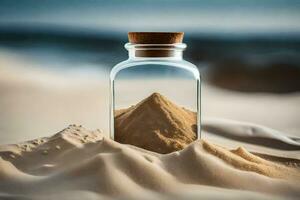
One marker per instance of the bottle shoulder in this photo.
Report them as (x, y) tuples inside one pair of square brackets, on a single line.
[(143, 62), (154, 61)]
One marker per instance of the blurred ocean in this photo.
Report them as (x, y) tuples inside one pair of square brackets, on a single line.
[(245, 63), (250, 46)]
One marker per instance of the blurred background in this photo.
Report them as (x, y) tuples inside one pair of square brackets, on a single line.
[(55, 58)]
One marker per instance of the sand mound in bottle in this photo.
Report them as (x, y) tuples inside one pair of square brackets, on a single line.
[(156, 124)]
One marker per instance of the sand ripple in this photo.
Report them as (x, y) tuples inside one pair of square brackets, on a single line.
[(90, 166)]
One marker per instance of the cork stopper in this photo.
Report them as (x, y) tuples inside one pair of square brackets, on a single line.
[(155, 37)]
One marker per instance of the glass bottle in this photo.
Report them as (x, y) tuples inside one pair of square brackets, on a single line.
[(155, 74)]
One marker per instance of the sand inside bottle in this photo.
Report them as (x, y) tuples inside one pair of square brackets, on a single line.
[(156, 124)]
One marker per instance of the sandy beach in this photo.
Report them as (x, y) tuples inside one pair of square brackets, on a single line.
[(86, 164), (251, 148)]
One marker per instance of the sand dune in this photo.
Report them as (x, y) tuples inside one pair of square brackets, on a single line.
[(251, 133), (85, 164)]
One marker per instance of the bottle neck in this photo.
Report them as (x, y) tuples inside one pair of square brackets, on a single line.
[(155, 51)]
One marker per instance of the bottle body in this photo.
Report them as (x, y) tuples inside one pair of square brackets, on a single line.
[(142, 89)]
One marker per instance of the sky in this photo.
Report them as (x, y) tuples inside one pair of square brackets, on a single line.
[(214, 16)]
